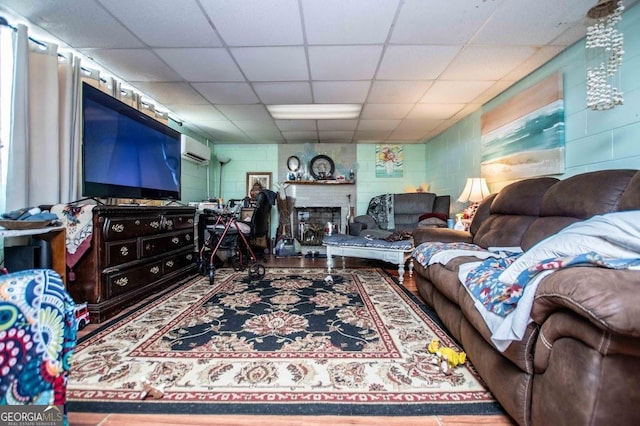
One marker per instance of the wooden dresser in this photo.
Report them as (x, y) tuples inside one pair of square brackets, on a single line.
[(135, 251)]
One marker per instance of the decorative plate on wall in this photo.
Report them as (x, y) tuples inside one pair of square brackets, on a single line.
[(322, 167), (293, 163)]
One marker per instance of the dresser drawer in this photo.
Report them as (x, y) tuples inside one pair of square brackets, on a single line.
[(124, 228), (177, 222), (151, 246), (119, 252), (128, 279), (179, 261)]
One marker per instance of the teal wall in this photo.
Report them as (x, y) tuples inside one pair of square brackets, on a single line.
[(595, 140)]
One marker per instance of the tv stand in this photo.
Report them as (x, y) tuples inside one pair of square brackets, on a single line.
[(135, 252)]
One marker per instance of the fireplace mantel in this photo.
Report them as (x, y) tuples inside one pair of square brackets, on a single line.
[(320, 182)]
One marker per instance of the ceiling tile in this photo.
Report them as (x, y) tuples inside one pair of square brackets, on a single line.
[(529, 23), (78, 23), (455, 91), (415, 62), (254, 126), (227, 93), (337, 124), (197, 113), (435, 111), (378, 124), (397, 92), (340, 91), (423, 125), (202, 64), (189, 28), (343, 62), (272, 63), (245, 112), (486, 62), (295, 92), (540, 57), (256, 22), (335, 136), (133, 64), (348, 21), (300, 135), (385, 111), (296, 124), (443, 22), (372, 134), (169, 93)]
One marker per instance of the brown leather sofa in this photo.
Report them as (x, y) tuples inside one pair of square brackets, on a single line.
[(579, 360)]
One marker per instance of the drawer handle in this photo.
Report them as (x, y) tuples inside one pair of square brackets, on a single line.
[(169, 223), (124, 251), (175, 240), (137, 222), (189, 256), (154, 270), (187, 237), (190, 221), (123, 281), (169, 263), (154, 224), (117, 227)]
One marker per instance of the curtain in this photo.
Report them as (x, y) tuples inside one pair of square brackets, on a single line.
[(43, 162)]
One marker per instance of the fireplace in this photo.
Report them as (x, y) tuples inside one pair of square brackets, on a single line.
[(310, 223)]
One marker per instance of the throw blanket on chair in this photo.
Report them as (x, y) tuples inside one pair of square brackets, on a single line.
[(381, 209), (78, 221)]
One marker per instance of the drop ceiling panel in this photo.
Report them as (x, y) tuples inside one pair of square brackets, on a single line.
[(245, 112), (197, 113), (378, 124), (344, 62), (133, 64), (486, 62), (388, 111), (256, 22), (78, 23), (397, 92), (348, 22), (444, 22), (300, 135), (455, 91), (434, 111), (337, 124), (202, 64), (150, 22), (284, 93), (170, 93), (379, 135), (272, 63), (340, 91), (415, 62), (254, 126), (335, 136), (227, 93), (529, 23), (296, 124)]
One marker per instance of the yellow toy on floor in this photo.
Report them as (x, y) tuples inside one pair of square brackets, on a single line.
[(448, 358)]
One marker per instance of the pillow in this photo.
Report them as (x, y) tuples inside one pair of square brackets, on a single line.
[(432, 222), (440, 216), (614, 235)]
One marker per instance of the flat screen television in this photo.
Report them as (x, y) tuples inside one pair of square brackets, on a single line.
[(125, 153)]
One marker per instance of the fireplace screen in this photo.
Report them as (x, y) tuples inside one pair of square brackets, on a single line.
[(311, 223)]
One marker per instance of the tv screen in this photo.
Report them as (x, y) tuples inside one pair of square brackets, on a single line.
[(125, 153)]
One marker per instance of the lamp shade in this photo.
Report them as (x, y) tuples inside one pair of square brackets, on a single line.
[(475, 190), (222, 159)]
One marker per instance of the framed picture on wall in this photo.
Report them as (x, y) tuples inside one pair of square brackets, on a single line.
[(256, 182)]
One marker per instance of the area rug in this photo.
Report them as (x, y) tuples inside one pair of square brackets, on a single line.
[(295, 342)]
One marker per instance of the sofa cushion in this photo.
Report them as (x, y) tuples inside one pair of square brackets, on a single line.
[(630, 199), (408, 208)]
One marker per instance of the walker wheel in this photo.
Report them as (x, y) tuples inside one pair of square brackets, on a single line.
[(256, 271), (236, 263), (212, 274)]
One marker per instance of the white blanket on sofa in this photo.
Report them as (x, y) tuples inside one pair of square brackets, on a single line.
[(613, 235)]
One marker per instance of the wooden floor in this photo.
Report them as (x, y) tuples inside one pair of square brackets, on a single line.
[(114, 419)]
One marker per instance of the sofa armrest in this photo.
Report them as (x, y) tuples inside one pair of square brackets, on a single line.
[(607, 298), (444, 235), (367, 222)]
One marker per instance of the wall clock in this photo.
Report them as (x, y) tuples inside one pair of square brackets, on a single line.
[(293, 163), (322, 167)]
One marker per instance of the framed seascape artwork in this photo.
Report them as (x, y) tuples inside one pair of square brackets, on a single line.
[(389, 160), (525, 136), (257, 181)]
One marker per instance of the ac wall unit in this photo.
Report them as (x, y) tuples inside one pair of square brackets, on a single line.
[(195, 151)]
